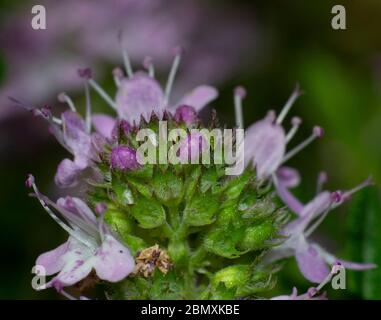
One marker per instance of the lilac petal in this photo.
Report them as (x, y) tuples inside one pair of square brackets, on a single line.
[(199, 97), (79, 208), (98, 142), (356, 265), (113, 261), (77, 139), (292, 296), (140, 95), (265, 142), (67, 173), (78, 263), (311, 264), (287, 178), (332, 260), (317, 205), (52, 260), (103, 124), (73, 122)]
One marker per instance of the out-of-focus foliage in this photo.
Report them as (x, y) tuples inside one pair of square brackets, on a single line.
[(364, 243)]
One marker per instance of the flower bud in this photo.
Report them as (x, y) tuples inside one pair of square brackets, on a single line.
[(186, 114), (123, 158)]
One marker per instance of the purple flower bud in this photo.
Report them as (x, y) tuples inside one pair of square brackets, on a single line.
[(123, 158), (121, 127), (337, 196), (45, 111), (118, 72), (240, 92), (125, 127), (147, 62), (318, 131), (187, 114), (29, 181), (62, 97), (178, 50), (100, 208), (85, 73), (296, 121)]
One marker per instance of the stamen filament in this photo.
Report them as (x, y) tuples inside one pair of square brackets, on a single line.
[(348, 193), (126, 58), (291, 100), (317, 223), (295, 126), (118, 75), (317, 132), (57, 120), (148, 64), (102, 93), (172, 74), (64, 98), (67, 295), (50, 212), (127, 63), (88, 108), (239, 94)]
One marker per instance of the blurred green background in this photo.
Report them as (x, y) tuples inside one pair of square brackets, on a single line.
[(280, 43)]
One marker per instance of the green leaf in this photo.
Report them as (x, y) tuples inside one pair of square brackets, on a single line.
[(142, 188), (148, 212), (168, 187), (122, 192), (201, 209), (364, 243), (223, 242), (191, 181), (208, 179), (255, 237)]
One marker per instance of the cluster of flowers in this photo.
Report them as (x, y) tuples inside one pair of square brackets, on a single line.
[(92, 246)]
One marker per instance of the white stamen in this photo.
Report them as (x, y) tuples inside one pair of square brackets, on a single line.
[(57, 120), (101, 226), (317, 223), (118, 76), (295, 95), (317, 132), (239, 95), (148, 64), (69, 230), (296, 121), (325, 281), (172, 74), (348, 193), (102, 93), (67, 295), (64, 98), (88, 108), (126, 58)]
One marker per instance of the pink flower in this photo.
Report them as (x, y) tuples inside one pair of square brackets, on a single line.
[(312, 259), (90, 246)]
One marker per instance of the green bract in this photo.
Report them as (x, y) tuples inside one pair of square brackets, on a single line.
[(214, 227)]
